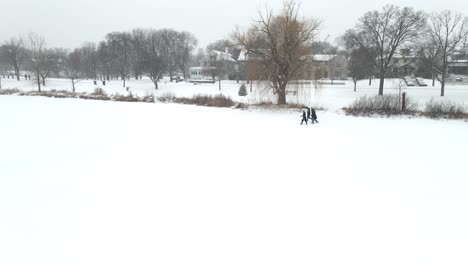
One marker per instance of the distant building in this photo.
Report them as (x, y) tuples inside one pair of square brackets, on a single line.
[(218, 64), (404, 63), (458, 64), (329, 66), (200, 75)]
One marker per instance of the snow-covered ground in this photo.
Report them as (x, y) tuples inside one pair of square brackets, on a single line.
[(108, 182), (331, 97)]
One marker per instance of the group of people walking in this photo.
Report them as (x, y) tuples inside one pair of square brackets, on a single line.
[(310, 114)]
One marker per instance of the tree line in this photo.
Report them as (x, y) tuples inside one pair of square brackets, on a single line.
[(148, 52), (280, 45), (434, 39)]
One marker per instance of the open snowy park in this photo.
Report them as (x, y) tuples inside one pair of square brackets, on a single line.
[(108, 182)]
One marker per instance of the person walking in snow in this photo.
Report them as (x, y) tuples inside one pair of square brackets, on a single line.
[(304, 118), (308, 113), (314, 116)]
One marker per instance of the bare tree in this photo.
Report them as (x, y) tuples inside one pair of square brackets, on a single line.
[(282, 43), (198, 59), (185, 45), (105, 60), (73, 66), (385, 32), (215, 68), (154, 63), (121, 47), (51, 61), (360, 65), (170, 39), (139, 37), (16, 54), (430, 59), (89, 60), (36, 45), (448, 30)]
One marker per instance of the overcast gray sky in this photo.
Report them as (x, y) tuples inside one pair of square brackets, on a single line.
[(69, 23)]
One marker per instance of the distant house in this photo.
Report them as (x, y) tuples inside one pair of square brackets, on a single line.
[(218, 64), (329, 66), (200, 75), (404, 63), (458, 64)]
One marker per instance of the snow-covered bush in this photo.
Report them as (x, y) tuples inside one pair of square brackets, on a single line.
[(449, 109), (8, 91), (384, 105), (99, 91), (125, 98), (166, 97), (243, 90), (207, 100)]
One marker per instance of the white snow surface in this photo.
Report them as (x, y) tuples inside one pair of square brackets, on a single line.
[(106, 182), (331, 97)]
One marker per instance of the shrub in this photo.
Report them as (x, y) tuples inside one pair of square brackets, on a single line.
[(243, 90), (9, 91), (448, 109), (51, 93), (207, 100), (148, 98), (94, 97), (99, 91), (125, 98), (272, 106), (384, 105), (166, 97)]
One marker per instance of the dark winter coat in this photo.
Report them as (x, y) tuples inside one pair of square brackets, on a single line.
[(314, 115)]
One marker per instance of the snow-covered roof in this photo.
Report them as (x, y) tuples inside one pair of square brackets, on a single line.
[(220, 55), (243, 55), (405, 54), (460, 61), (323, 57)]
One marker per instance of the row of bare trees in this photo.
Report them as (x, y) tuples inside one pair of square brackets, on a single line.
[(141, 52), (280, 47), (379, 35)]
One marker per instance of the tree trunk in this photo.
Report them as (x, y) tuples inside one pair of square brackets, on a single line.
[(370, 81), (355, 81), (73, 85), (381, 85), (220, 84), (156, 85), (17, 71), (123, 81), (282, 95), (43, 82), (433, 79), (39, 83), (442, 85)]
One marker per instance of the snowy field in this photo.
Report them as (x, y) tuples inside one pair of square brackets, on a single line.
[(106, 182), (331, 97)]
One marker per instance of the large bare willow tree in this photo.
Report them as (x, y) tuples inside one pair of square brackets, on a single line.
[(385, 32), (281, 43)]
